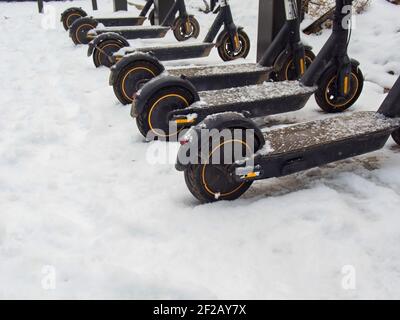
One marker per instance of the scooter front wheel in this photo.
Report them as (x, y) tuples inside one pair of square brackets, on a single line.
[(288, 69), (226, 49), (210, 182), (79, 29), (153, 122), (132, 78), (186, 28), (327, 95), (396, 136), (70, 16), (104, 51)]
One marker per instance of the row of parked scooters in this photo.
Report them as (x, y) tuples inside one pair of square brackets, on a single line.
[(173, 104)]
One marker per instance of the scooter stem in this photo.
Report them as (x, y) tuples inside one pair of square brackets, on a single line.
[(391, 105)]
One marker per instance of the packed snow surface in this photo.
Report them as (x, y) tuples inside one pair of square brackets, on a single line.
[(88, 210)]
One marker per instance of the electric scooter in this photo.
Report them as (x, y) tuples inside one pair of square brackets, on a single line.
[(280, 152), (286, 48), (232, 43), (70, 15), (285, 59), (334, 79), (184, 27)]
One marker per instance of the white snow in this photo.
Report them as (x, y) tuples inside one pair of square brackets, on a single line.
[(78, 194)]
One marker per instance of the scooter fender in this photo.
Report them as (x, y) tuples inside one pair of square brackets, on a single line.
[(130, 59), (73, 9), (332, 64), (175, 23), (355, 62), (103, 37), (307, 47), (213, 123), (154, 85), (283, 57), (222, 34)]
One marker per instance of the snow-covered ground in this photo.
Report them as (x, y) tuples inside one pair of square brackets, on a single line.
[(82, 204)]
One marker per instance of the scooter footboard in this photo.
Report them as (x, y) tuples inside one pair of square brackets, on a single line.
[(121, 21), (233, 80), (166, 53), (252, 109), (282, 164), (149, 32)]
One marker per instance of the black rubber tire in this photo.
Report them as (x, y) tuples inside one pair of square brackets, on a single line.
[(288, 72), (211, 183), (104, 50), (396, 136), (322, 94), (154, 121), (179, 29), (227, 54), (79, 29), (131, 78), (69, 19), (152, 17)]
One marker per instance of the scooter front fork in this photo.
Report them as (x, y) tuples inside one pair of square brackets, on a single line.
[(234, 37), (299, 59), (188, 25), (343, 79)]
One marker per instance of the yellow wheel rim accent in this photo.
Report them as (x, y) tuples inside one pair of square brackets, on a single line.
[(203, 171), (336, 106), (155, 105), (126, 76), (106, 46), (69, 17), (77, 31)]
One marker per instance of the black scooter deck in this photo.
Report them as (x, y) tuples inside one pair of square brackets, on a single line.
[(173, 52), (120, 21), (226, 76), (329, 131), (312, 144), (135, 32), (253, 101)]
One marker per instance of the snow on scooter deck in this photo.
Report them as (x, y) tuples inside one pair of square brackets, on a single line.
[(120, 21), (256, 100), (180, 51), (255, 93), (205, 71), (329, 131), (134, 32)]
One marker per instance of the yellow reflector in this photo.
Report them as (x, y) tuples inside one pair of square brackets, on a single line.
[(236, 41), (302, 66), (346, 85), (183, 121), (251, 175)]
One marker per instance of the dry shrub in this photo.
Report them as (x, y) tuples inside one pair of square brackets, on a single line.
[(317, 8)]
